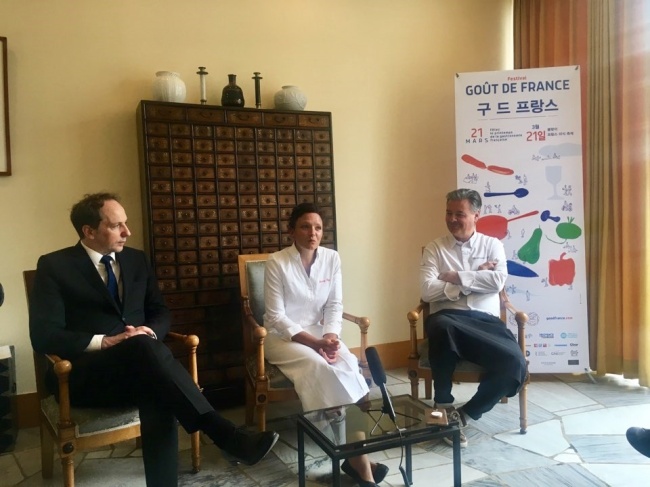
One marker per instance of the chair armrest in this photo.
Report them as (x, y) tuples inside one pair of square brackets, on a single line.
[(191, 343), (62, 369), (257, 333), (520, 317), (413, 316), (363, 322)]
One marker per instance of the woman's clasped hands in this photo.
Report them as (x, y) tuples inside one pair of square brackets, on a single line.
[(329, 347)]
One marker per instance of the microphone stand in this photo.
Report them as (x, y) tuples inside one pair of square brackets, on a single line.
[(387, 408)]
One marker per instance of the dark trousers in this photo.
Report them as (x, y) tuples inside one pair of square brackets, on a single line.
[(479, 338), (143, 372)]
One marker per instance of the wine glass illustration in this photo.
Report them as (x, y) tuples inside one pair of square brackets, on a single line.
[(554, 176)]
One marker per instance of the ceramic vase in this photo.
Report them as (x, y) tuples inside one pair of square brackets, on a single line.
[(168, 86), (290, 98), (232, 95)]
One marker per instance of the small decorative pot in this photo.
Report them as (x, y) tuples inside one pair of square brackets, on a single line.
[(168, 86), (290, 98), (232, 95)]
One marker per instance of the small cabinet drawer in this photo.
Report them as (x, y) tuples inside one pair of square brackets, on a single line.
[(210, 269), (165, 271), (160, 172), (181, 144), (185, 229), (280, 119), (208, 228), (165, 258), (206, 115), (180, 300), (157, 129), (209, 256), (188, 271), (250, 227), (180, 129), (162, 215), (229, 227), (187, 256), (185, 215), (184, 187), (207, 214), (161, 201), (270, 239), (244, 118), (313, 120)]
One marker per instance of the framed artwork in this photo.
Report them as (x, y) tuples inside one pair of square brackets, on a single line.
[(5, 149)]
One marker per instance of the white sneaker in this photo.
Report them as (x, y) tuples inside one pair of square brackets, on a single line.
[(463, 440), (457, 415)]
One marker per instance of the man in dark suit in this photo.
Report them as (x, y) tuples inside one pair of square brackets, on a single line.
[(98, 305)]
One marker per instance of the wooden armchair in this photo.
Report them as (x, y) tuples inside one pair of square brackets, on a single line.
[(264, 381), (418, 361), (77, 429)]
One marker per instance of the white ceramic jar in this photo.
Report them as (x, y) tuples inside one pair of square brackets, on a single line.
[(290, 98), (168, 86)]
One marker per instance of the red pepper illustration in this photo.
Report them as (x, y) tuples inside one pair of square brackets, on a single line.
[(561, 272)]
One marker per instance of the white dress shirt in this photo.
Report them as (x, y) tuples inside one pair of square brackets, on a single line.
[(295, 300), (479, 289)]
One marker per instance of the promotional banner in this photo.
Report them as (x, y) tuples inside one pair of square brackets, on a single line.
[(518, 142)]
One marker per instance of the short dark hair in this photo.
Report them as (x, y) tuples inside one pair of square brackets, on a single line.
[(87, 211), (300, 210), (470, 195)]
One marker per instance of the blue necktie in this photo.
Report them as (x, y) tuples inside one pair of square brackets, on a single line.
[(112, 281)]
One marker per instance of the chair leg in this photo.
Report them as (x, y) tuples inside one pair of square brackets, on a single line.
[(428, 389), (415, 383), (196, 453), (67, 464), (523, 409), (261, 417), (47, 452), (250, 405)]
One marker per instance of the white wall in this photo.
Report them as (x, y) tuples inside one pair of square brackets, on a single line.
[(77, 71)]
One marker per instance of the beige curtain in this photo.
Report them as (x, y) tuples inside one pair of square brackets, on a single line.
[(610, 40)]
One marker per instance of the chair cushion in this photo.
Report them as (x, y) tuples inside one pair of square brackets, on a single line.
[(92, 420), (255, 278), (277, 380), (462, 366)]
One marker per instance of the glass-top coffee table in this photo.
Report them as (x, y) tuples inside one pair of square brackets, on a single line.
[(353, 430)]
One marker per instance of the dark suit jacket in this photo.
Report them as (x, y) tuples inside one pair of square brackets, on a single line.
[(70, 303)]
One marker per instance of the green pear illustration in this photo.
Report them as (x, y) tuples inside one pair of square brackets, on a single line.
[(529, 252)]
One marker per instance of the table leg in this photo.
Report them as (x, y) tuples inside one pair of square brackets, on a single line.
[(409, 464), (301, 456), (336, 473), (456, 458)]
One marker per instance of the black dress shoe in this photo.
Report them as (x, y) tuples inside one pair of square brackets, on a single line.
[(249, 448), (639, 438), (379, 473), (349, 470)]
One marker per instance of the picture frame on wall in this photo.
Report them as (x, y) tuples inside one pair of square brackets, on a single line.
[(5, 148)]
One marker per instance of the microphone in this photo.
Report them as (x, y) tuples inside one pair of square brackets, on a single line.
[(379, 377)]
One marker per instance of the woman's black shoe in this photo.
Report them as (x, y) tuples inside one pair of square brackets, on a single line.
[(347, 468), (380, 472)]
